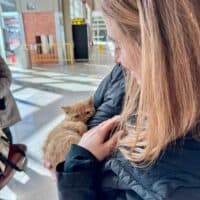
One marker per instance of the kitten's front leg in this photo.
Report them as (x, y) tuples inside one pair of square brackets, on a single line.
[(78, 127), (51, 169)]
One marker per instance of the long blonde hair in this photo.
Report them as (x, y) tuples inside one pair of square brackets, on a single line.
[(168, 32)]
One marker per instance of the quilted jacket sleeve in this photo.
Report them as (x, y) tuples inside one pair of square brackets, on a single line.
[(78, 176)]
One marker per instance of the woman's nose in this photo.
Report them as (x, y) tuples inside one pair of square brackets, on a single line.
[(117, 60)]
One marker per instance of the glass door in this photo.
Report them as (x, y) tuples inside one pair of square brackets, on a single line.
[(11, 31), (12, 35)]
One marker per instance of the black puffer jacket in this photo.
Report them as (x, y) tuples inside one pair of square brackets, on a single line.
[(175, 176), (108, 98)]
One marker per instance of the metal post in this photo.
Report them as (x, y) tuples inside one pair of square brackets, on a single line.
[(68, 29)]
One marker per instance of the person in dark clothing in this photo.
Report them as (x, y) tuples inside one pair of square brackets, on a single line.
[(9, 114), (154, 152)]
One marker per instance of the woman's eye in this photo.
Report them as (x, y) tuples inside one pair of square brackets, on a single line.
[(76, 116), (87, 113)]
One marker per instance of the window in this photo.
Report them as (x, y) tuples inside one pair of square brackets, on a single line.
[(99, 30)]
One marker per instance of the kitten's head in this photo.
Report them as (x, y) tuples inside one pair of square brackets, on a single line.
[(81, 111)]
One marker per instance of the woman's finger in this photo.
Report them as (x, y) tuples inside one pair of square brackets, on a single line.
[(110, 124), (111, 143), (106, 129)]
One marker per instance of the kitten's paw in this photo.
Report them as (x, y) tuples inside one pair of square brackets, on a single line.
[(53, 174), (47, 164), (51, 169)]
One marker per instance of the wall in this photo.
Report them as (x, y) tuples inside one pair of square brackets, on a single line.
[(38, 5), (90, 3), (39, 23)]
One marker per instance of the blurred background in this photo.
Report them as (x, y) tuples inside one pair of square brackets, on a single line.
[(38, 32)]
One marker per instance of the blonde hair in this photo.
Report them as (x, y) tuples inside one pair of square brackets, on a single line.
[(168, 32)]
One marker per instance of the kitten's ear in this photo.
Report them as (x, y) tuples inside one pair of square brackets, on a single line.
[(66, 109), (90, 101)]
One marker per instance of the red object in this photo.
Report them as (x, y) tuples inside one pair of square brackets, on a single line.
[(13, 59), (17, 158)]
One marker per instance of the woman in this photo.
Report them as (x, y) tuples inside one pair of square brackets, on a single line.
[(158, 144), (9, 114)]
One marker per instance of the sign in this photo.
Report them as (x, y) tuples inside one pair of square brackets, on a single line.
[(78, 21)]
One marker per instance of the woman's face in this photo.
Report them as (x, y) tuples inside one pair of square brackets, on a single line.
[(128, 50)]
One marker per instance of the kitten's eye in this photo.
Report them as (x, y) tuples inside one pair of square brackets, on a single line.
[(88, 112), (76, 116)]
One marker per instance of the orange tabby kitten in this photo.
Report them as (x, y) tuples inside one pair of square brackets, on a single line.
[(68, 132)]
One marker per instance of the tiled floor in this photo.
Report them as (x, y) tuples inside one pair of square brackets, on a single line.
[(40, 94)]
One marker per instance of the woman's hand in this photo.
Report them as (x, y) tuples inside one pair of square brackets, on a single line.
[(97, 140)]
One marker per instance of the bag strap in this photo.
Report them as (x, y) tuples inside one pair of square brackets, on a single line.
[(4, 149), (8, 162), (5, 139)]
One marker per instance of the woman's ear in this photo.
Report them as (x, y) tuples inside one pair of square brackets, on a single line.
[(66, 109)]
